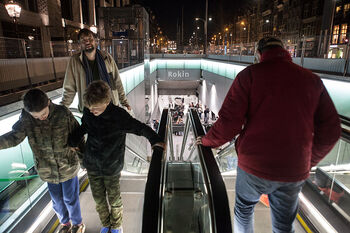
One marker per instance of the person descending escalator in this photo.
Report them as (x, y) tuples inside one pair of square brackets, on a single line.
[(106, 126), (56, 163), (286, 122), (206, 114), (89, 65)]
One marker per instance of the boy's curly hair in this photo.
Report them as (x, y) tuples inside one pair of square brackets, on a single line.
[(98, 92)]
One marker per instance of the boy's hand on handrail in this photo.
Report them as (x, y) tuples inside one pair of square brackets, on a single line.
[(159, 144)]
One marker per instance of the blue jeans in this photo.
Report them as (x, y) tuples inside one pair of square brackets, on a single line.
[(283, 199), (65, 200)]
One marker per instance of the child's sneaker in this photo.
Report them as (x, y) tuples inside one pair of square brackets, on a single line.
[(78, 228), (118, 230), (65, 228), (104, 230)]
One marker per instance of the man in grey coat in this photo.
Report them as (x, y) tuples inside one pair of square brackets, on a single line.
[(89, 65)]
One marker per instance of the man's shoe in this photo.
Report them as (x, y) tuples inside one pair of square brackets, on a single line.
[(104, 230), (78, 228), (65, 228), (118, 230)]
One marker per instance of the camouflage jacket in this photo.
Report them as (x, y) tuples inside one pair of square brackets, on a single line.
[(54, 160)]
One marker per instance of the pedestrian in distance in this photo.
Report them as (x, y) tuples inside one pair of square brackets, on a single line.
[(286, 123), (206, 114), (47, 126)]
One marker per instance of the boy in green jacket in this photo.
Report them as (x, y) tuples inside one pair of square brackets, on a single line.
[(47, 127)]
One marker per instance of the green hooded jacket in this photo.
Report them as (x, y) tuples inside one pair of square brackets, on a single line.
[(54, 160)]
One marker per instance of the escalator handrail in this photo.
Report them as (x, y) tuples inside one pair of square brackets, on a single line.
[(136, 154), (218, 200), (344, 120), (345, 135), (227, 148), (152, 218)]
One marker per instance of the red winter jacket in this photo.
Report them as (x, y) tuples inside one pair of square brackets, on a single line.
[(283, 114)]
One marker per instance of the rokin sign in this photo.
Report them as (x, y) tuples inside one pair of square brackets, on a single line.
[(178, 74)]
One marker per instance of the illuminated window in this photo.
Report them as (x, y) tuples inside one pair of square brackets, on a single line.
[(344, 28), (338, 9), (346, 8), (335, 34)]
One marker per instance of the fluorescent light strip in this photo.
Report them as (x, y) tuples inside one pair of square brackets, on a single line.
[(23, 208), (42, 216), (316, 215)]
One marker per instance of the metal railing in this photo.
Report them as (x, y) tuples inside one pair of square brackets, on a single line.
[(218, 199), (154, 191)]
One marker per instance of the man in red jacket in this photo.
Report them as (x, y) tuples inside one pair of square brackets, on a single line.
[(286, 124)]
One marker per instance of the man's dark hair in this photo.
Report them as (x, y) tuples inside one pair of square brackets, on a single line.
[(35, 100), (268, 43), (86, 32)]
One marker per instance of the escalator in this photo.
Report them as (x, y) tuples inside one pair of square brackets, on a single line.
[(325, 198), (186, 194), (182, 194)]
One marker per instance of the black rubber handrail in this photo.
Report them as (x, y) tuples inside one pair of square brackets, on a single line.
[(218, 200), (151, 220), (344, 120), (345, 135)]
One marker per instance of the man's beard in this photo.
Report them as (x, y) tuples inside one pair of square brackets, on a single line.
[(89, 50)]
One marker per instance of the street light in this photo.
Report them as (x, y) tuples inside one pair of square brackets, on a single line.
[(205, 21), (246, 27), (13, 9), (93, 28), (205, 33)]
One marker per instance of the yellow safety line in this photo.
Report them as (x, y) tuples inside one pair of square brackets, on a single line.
[(55, 225), (307, 229), (83, 186)]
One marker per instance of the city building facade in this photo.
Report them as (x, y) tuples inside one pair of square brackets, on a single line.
[(42, 22), (303, 25), (124, 31), (339, 42)]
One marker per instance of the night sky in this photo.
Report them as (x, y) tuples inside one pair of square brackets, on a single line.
[(168, 13)]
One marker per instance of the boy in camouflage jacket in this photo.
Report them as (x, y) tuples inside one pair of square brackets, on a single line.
[(47, 127)]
